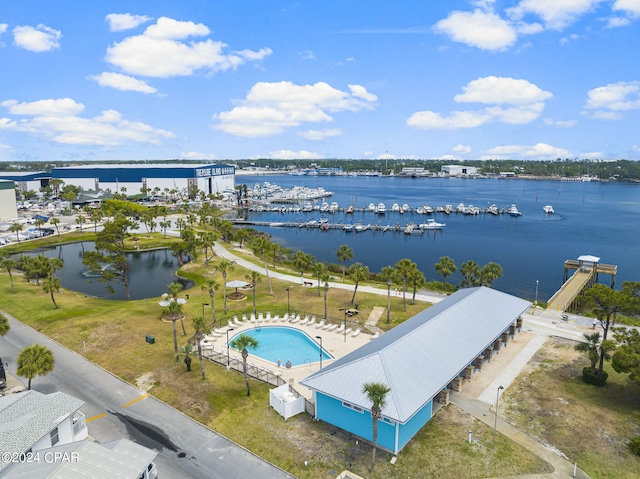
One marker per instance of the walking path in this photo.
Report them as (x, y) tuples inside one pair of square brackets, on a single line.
[(541, 323)]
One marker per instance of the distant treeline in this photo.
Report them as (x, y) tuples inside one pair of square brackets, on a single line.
[(619, 169)]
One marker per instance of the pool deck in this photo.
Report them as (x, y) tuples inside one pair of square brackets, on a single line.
[(332, 342)]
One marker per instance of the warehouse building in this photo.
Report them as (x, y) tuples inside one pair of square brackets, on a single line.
[(8, 208), (27, 181), (459, 170), (134, 179)]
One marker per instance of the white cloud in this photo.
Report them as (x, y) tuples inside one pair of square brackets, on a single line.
[(560, 123), (307, 55), (119, 22), (271, 108), (609, 101), (58, 121), (197, 155), (316, 135), (294, 155), (630, 7), (556, 14), (159, 51), (514, 101), (461, 149), (539, 151), (3, 28), (367, 153), (36, 39), (386, 156), (122, 82), (484, 30)]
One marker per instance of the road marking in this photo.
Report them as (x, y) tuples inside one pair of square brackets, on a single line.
[(144, 396), (95, 417)]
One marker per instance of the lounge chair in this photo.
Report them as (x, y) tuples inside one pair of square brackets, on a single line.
[(377, 333), (260, 317), (236, 322), (320, 324), (348, 331), (340, 329), (355, 333), (276, 318), (285, 317), (328, 325), (244, 317), (332, 327), (313, 320), (295, 320), (253, 318), (305, 320), (268, 317), (231, 325)]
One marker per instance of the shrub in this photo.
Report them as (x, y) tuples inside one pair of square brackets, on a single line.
[(594, 378), (634, 445)]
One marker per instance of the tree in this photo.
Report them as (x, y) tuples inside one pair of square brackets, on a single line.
[(185, 352), (243, 343), (241, 235), (164, 225), (174, 289), (344, 254), (357, 272), (110, 259), (35, 360), (173, 312), (591, 347), (80, 220), (38, 223), (208, 239), (260, 246), (405, 267), (388, 274), (301, 261), (55, 222), (200, 327), (319, 269), (626, 359), (16, 228), (4, 325), (417, 281), (51, 285), (445, 266), (275, 249), (489, 273), (470, 272), (224, 266), (254, 278), (9, 265), (377, 395), (210, 286)]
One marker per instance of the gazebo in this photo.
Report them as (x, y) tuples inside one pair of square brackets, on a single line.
[(237, 296)]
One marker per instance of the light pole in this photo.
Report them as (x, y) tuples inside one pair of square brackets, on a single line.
[(229, 362), (203, 305), (345, 325), (535, 303), (320, 338), (388, 299), (288, 303), (495, 424)]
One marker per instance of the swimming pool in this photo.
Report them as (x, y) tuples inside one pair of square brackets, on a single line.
[(278, 343)]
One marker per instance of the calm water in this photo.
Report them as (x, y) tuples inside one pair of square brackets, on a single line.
[(149, 275), (600, 219), (285, 344)]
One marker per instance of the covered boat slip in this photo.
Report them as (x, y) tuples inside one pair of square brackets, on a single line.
[(420, 360)]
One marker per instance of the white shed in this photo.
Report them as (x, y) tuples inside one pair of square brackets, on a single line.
[(284, 401)]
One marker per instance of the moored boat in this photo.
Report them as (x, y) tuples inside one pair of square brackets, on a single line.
[(432, 224), (381, 209), (549, 209), (514, 211)]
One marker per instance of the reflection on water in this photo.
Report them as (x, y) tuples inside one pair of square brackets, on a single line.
[(149, 274)]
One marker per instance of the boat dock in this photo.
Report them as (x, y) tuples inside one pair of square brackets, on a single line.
[(358, 228), (587, 271)]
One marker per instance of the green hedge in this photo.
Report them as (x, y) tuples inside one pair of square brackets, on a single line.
[(595, 379)]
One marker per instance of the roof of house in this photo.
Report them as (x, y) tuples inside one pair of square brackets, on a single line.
[(27, 417), (420, 357), (121, 459)]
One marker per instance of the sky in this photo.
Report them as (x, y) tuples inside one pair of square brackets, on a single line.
[(319, 79)]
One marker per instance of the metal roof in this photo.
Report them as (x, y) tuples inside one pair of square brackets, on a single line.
[(122, 459), (420, 357), (27, 417), (588, 258)]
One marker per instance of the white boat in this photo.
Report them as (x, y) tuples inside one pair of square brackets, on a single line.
[(348, 228), (514, 211), (381, 209), (432, 224), (395, 207), (493, 209), (371, 207), (349, 209), (405, 208), (548, 209), (276, 224), (460, 208), (307, 208)]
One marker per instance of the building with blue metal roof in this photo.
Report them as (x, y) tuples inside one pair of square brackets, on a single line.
[(417, 360)]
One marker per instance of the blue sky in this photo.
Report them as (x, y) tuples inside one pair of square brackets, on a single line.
[(235, 79)]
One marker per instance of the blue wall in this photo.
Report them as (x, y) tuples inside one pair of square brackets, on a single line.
[(332, 411), (135, 174), (411, 428)]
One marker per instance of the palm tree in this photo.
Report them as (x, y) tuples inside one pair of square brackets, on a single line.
[(80, 220), (50, 285), (470, 271), (16, 228), (207, 239), (9, 264), (275, 249), (357, 272), (389, 275), (175, 288), (319, 269), (591, 348), (417, 281), (210, 286), (242, 343), (489, 273), (199, 324), (301, 261), (185, 351), (241, 235), (224, 266), (445, 266), (34, 361), (55, 222), (173, 312), (4, 325), (254, 278), (344, 254), (404, 267), (377, 395), (164, 225), (260, 246)]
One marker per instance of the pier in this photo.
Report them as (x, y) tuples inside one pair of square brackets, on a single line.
[(586, 274)]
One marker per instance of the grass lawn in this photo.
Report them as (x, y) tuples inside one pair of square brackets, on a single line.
[(591, 425), (114, 335)]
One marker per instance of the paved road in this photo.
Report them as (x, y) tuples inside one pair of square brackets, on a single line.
[(121, 410)]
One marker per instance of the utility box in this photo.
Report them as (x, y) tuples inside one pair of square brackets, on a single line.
[(150, 339)]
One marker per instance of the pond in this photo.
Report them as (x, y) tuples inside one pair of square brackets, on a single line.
[(149, 274)]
